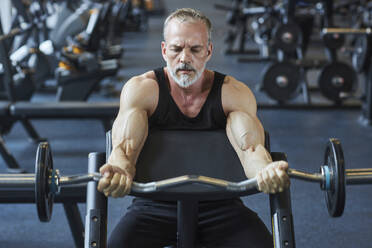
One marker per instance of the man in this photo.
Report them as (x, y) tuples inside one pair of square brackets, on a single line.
[(185, 95)]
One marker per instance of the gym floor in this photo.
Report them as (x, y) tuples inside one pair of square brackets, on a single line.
[(301, 134)]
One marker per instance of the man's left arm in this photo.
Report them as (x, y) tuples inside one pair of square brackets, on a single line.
[(246, 134)]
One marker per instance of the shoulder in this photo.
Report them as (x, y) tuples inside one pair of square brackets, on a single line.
[(237, 96), (141, 82), (140, 92)]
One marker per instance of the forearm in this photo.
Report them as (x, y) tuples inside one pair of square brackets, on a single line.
[(255, 159), (129, 133), (246, 135)]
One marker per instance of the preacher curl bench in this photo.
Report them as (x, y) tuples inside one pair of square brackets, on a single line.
[(206, 153)]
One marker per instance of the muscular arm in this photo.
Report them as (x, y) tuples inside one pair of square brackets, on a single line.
[(129, 132), (246, 134)]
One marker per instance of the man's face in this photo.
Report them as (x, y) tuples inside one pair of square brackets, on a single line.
[(186, 51)]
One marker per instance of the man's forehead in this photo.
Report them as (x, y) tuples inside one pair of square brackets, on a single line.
[(184, 41), (179, 43), (177, 24), (197, 32)]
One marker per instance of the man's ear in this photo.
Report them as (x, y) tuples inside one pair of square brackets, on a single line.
[(164, 50), (210, 50)]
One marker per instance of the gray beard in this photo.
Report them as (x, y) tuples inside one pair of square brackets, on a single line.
[(184, 81)]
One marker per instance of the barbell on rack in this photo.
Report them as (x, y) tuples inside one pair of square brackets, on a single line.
[(361, 53), (347, 31), (47, 181)]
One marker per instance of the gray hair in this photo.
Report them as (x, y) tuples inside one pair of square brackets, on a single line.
[(189, 15)]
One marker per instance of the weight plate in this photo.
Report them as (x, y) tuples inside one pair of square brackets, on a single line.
[(334, 41), (287, 37), (337, 78), (335, 196), (362, 52), (281, 81), (43, 169)]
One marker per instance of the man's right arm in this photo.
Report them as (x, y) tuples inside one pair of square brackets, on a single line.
[(129, 132)]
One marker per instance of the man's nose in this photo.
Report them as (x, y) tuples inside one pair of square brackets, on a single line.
[(185, 56)]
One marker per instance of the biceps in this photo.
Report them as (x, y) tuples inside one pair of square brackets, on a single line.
[(244, 130)]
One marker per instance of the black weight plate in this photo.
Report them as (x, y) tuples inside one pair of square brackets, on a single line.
[(334, 41), (43, 169), (287, 37), (335, 78), (281, 81), (362, 52), (335, 197)]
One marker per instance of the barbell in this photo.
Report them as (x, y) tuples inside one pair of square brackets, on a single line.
[(361, 53), (47, 181)]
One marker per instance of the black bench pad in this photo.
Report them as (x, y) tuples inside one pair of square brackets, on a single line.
[(168, 154)]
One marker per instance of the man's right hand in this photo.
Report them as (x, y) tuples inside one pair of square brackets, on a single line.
[(115, 181)]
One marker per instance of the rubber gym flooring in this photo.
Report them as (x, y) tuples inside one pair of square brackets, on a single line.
[(301, 134)]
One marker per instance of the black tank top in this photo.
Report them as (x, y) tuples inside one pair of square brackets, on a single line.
[(169, 117)]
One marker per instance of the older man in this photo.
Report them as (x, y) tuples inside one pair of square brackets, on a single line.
[(185, 95)]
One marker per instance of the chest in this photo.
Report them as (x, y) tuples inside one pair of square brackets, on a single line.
[(190, 105)]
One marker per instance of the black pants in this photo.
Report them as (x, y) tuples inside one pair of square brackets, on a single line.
[(221, 224)]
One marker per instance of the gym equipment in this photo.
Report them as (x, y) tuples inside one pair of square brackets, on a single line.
[(17, 85), (69, 197), (70, 22), (225, 158), (361, 62), (162, 147), (336, 80), (26, 66), (333, 41), (281, 81), (272, 25), (287, 37), (20, 111), (25, 27), (236, 18), (74, 85), (360, 57), (89, 56), (347, 31), (366, 116), (48, 182), (362, 48)]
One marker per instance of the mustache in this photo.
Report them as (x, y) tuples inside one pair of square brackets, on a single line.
[(185, 67)]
